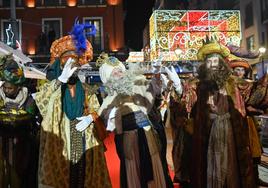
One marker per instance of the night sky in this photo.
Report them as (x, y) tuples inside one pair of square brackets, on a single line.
[(137, 14)]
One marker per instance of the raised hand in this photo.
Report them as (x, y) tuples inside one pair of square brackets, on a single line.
[(164, 80), (173, 76), (67, 71)]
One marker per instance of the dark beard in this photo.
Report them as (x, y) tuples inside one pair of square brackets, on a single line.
[(12, 95), (214, 79), (72, 80)]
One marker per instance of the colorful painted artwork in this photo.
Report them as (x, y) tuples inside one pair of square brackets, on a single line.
[(178, 34)]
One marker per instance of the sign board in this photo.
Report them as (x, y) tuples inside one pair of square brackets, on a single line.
[(135, 57)]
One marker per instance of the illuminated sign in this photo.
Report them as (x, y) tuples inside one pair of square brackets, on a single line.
[(135, 57), (173, 31)]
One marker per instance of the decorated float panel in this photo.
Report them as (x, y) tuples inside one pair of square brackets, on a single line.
[(177, 34)]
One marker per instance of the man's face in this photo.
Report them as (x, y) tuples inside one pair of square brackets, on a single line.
[(239, 71), (212, 63), (117, 73), (10, 90)]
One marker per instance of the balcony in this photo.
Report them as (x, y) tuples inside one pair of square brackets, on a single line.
[(91, 2), (50, 2)]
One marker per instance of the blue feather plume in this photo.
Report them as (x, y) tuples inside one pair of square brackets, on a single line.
[(79, 37)]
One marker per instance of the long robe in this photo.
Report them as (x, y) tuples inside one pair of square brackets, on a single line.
[(18, 140), (136, 141), (55, 144), (182, 130), (203, 128)]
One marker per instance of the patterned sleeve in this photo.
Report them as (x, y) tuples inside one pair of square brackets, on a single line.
[(245, 87), (42, 97), (258, 97), (189, 96), (93, 103)]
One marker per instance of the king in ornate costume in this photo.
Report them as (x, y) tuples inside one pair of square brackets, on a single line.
[(71, 147)]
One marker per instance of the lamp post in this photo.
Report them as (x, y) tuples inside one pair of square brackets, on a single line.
[(262, 50)]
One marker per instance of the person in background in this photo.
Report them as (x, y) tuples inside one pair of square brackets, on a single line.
[(51, 36), (18, 128), (241, 68), (182, 129), (42, 41)]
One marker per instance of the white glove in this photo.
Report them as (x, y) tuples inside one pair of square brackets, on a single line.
[(33, 95), (111, 120), (85, 121), (67, 71), (164, 80), (173, 76)]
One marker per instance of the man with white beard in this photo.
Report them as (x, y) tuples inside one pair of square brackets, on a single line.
[(129, 101)]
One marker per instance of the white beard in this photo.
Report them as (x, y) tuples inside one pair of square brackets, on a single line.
[(123, 85)]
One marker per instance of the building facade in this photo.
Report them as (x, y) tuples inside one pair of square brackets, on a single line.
[(254, 20), (39, 22), (254, 27)]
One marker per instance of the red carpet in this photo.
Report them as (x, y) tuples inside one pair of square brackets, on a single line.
[(113, 162)]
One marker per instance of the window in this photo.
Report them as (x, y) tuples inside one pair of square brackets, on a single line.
[(91, 2), (264, 10), (97, 40), (6, 3), (52, 27), (249, 15), (50, 2), (7, 35), (250, 43)]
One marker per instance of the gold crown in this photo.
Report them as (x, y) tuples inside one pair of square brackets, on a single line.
[(105, 59), (210, 46)]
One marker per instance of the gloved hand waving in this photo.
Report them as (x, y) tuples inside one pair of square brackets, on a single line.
[(164, 80), (173, 76), (67, 71)]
